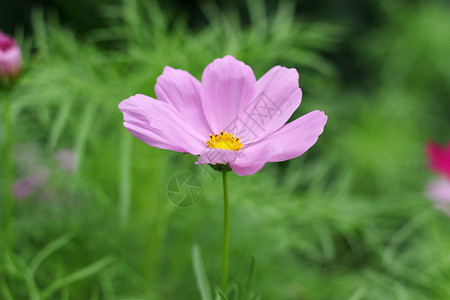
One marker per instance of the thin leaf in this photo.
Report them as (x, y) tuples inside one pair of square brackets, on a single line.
[(221, 295), (77, 276), (83, 133), (200, 274), (251, 278), (48, 250), (60, 123), (6, 294), (25, 272), (358, 294), (234, 291)]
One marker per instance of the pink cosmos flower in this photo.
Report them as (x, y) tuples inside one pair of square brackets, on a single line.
[(439, 158), (10, 57), (439, 189), (229, 118)]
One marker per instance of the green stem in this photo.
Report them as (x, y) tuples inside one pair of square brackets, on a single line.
[(226, 232), (8, 171)]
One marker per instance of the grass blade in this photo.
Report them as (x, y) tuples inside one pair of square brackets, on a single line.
[(48, 250), (246, 294), (77, 276), (221, 296), (6, 294), (60, 123), (83, 133), (200, 274)]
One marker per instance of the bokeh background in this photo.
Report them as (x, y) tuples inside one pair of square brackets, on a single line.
[(347, 220)]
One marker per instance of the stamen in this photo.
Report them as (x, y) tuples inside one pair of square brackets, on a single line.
[(224, 141)]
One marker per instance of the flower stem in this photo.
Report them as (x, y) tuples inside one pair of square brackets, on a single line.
[(8, 170), (226, 232)]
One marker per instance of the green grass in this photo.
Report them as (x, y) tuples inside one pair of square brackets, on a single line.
[(347, 220)]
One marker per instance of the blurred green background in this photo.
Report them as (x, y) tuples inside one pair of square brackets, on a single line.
[(347, 220)]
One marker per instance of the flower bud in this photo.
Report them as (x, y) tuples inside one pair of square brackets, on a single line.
[(10, 57)]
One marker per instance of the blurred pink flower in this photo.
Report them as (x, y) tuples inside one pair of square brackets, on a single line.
[(37, 170), (439, 158), (229, 118), (439, 189), (26, 186), (67, 159), (10, 57)]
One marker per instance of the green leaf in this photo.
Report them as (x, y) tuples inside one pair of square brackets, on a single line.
[(88, 117), (48, 250), (17, 265), (6, 293), (200, 274), (221, 295), (59, 124), (358, 294), (251, 277), (234, 290), (77, 276)]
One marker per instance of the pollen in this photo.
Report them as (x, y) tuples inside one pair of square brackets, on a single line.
[(224, 140)]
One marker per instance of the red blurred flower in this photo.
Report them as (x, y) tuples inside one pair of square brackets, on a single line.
[(439, 158), (10, 57), (438, 190)]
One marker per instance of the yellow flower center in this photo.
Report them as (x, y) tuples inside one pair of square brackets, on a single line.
[(224, 140)]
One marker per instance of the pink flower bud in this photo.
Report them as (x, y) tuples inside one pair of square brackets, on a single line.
[(10, 57)]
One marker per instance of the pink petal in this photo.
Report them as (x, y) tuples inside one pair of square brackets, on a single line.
[(216, 156), (160, 125), (439, 158), (226, 85), (251, 160), (290, 141), (277, 95), (151, 138), (295, 138), (10, 56), (182, 91), (439, 192)]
